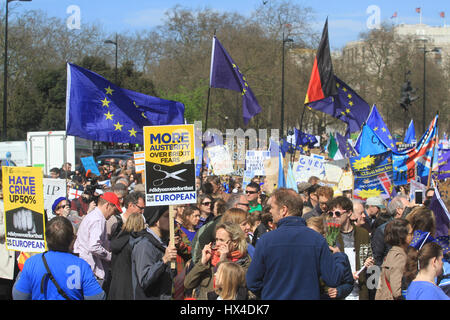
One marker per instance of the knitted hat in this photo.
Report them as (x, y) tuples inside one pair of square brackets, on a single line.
[(152, 214), (56, 202)]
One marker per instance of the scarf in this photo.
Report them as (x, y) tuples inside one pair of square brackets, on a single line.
[(233, 256)]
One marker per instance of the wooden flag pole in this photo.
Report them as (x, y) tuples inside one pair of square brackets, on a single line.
[(173, 264)]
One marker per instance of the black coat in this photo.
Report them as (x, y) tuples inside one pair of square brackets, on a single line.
[(121, 287)]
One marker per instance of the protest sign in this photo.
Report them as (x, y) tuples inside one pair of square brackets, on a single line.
[(53, 189), (23, 198), (89, 164), (346, 181), (372, 175), (332, 173), (254, 161), (139, 163), (169, 165), (248, 176), (413, 187), (307, 167), (220, 160)]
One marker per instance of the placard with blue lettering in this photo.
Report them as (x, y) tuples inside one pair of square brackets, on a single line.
[(169, 165), (23, 198)]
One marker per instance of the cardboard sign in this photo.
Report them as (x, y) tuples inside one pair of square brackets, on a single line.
[(89, 164), (307, 167), (220, 160), (346, 181), (169, 165), (332, 173), (53, 189), (23, 198), (254, 161)]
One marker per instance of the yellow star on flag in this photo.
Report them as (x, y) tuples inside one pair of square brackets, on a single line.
[(108, 116), (109, 90), (105, 102), (143, 115), (244, 91), (390, 137), (349, 96), (134, 102), (383, 129), (375, 129), (350, 103), (344, 89), (337, 85), (234, 66), (132, 132), (118, 126), (392, 145)]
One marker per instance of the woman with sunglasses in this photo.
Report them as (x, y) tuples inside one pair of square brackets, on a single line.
[(229, 245), (205, 203)]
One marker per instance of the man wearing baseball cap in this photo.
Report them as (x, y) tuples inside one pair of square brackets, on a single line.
[(92, 243)]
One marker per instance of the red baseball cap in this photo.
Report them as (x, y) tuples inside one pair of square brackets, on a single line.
[(111, 197)]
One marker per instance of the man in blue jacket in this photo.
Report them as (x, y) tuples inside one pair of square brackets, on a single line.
[(289, 261)]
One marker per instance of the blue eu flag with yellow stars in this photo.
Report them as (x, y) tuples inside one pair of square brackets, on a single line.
[(376, 123), (304, 139), (346, 106), (225, 74), (98, 110)]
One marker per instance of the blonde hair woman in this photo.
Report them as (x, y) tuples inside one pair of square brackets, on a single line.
[(121, 282), (230, 245)]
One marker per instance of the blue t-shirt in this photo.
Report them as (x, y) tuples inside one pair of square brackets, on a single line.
[(73, 274), (424, 290)]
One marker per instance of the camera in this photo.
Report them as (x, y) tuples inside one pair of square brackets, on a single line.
[(90, 188)]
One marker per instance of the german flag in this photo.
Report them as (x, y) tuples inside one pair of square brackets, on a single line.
[(322, 83)]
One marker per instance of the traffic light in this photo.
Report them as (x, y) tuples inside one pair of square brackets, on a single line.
[(407, 95)]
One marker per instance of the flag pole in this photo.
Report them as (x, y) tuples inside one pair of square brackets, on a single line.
[(434, 148), (207, 112)]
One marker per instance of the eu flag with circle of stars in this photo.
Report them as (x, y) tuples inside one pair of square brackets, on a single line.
[(304, 139), (376, 123), (98, 110), (225, 74), (346, 106)]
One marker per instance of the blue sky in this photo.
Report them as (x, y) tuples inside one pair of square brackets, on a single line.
[(347, 19)]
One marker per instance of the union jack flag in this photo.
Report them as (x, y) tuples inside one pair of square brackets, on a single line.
[(416, 162)]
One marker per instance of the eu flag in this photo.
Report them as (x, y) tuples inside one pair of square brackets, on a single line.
[(225, 74), (304, 139), (98, 110), (346, 106), (345, 147)]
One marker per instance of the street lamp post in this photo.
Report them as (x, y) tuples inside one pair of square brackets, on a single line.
[(5, 72), (425, 51), (282, 83), (116, 45)]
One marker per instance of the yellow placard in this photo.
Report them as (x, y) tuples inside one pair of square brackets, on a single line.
[(169, 145), (23, 198)]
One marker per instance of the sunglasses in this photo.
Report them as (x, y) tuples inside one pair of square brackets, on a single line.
[(244, 204), (61, 207), (250, 192), (206, 203), (336, 213)]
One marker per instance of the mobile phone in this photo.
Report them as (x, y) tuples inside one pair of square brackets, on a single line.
[(418, 195)]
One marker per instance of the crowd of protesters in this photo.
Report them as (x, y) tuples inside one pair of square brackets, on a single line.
[(235, 243)]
